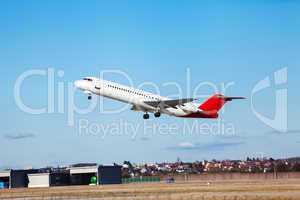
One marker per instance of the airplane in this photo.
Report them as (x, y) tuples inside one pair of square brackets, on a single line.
[(152, 103)]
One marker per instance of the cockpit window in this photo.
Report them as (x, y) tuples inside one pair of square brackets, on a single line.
[(87, 79)]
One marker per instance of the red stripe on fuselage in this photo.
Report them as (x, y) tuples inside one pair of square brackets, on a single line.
[(201, 115)]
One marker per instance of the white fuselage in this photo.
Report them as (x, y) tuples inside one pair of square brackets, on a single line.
[(136, 97)]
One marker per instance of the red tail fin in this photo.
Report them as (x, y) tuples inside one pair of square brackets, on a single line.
[(216, 102)]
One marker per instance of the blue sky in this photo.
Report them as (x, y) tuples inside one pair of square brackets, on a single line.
[(218, 41)]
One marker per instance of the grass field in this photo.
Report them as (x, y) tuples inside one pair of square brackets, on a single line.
[(217, 190)]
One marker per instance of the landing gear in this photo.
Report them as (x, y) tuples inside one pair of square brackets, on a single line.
[(89, 97), (157, 114), (146, 116)]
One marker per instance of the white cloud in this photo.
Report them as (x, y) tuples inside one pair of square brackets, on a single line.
[(185, 145), (19, 135), (206, 146)]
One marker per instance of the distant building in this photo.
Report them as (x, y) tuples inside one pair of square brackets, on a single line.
[(80, 174), (4, 179), (107, 174), (110, 174)]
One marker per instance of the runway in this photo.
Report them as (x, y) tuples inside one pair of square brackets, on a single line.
[(217, 190)]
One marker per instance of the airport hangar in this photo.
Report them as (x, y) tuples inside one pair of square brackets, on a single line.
[(78, 174)]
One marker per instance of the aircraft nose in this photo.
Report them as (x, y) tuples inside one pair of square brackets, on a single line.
[(78, 84)]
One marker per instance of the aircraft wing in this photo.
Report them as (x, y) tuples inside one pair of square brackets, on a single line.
[(168, 103)]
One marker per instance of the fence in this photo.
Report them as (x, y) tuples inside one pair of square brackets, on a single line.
[(237, 176), (141, 179)]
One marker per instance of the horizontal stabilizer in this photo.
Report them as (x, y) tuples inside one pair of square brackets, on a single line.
[(216, 102)]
